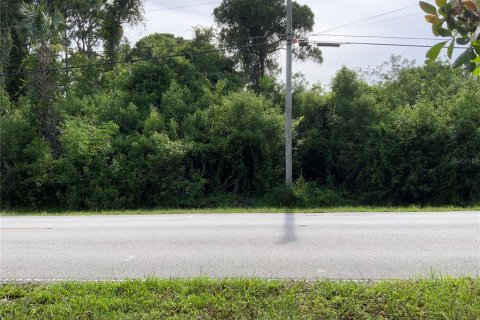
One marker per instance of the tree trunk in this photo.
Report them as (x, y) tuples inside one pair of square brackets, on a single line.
[(45, 90), (258, 70), (263, 59)]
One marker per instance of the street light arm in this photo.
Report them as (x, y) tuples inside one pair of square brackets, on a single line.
[(329, 44)]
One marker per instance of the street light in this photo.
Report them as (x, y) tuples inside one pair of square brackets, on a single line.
[(328, 44)]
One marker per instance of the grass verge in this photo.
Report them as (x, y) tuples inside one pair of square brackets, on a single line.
[(227, 210), (243, 299)]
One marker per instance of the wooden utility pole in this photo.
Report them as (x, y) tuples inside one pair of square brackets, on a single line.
[(288, 102)]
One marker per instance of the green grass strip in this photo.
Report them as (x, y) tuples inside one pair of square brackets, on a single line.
[(243, 299), (352, 209)]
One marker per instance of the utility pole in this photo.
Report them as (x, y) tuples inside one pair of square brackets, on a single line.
[(288, 102), (67, 45), (3, 47)]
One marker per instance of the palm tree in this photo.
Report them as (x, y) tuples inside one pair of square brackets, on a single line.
[(40, 27)]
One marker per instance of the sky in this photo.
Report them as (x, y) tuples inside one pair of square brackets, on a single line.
[(406, 22)]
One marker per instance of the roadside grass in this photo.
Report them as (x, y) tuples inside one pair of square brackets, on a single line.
[(227, 210), (243, 299)]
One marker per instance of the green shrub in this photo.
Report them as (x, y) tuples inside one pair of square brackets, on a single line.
[(242, 144), (184, 132)]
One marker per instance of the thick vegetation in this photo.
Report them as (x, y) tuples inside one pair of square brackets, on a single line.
[(172, 123)]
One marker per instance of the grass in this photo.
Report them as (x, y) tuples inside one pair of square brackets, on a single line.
[(243, 299), (238, 210)]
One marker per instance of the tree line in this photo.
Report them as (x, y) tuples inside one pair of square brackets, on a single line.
[(89, 121)]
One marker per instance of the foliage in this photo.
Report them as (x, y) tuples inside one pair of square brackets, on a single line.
[(5, 36), (84, 19), (243, 137), (182, 128), (117, 14), (307, 194), (254, 30), (193, 143), (397, 142), (26, 161), (40, 26), (460, 21)]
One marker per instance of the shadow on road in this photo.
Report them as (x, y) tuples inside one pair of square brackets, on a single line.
[(289, 228)]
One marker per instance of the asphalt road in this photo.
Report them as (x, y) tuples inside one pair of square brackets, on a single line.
[(299, 246)]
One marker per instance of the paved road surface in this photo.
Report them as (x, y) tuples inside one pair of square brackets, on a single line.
[(337, 246)]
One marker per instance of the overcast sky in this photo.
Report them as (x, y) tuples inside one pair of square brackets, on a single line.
[(407, 22)]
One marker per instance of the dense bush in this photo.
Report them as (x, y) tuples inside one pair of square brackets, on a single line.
[(243, 140), (184, 132), (396, 142)]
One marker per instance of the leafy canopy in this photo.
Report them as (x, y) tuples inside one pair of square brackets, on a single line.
[(458, 20), (254, 30)]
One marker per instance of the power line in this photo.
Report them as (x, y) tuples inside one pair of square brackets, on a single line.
[(393, 45), (390, 44), (382, 21), (185, 6), (365, 19), (191, 53), (174, 45), (376, 37), (185, 54), (186, 42)]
